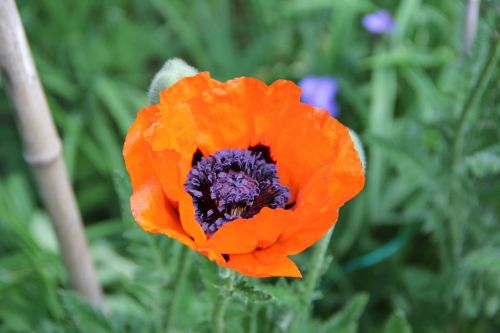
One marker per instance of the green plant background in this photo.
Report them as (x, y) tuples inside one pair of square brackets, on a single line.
[(418, 250)]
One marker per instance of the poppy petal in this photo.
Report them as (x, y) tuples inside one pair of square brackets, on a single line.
[(154, 213), (229, 108), (173, 136), (303, 145), (279, 97), (166, 166), (187, 214), (250, 265), (136, 150), (300, 236), (175, 129), (187, 88), (325, 192), (246, 235)]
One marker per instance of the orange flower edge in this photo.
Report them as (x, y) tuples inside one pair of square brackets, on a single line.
[(242, 172)]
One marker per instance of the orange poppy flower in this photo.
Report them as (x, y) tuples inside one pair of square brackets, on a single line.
[(241, 172)]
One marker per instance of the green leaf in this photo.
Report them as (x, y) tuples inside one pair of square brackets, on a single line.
[(83, 315), (405, 18), (346, 321), (486, 258), (250, 293), (485, 162), (281, 293), (111, 95), (397, 323), (123, 188)]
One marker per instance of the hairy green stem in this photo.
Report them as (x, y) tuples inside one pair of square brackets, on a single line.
[(312, 279), (455, 229), (221, 304), (253, 310), (179, 279), (473, 97)]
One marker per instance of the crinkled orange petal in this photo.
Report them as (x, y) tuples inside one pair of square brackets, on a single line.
[(299, 237), (303, 146), (246, 235), (176, 129), (166, 166), (212, 255), (187, 88), (320, 198), (238, 237), (187, 214), (249, 265), (154, 213), (173, 134), (279, 97), (332, 185), (136, 151), (224, 114)]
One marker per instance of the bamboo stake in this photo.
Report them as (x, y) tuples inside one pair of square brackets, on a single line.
[(470, 24), (43, 152)]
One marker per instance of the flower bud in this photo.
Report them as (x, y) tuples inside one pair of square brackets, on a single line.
[(359, 148), (224, 273), (172, 71)]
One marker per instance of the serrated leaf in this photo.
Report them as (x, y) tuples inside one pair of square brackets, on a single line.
[(250, 293), (123, 188), (484, 259), (397, 323), (485, 162), (280, 293), (84, 316), (346, 321)]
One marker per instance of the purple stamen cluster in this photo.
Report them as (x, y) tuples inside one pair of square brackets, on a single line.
[(232, 184)]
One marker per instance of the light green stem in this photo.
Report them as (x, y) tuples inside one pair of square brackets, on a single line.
[(221, 304), (455, 229), (476, 93), (311, 281), (313, 275), (180, 278), (253, 312)]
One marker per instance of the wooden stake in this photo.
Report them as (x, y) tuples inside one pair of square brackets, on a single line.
[(471, 20), (43, 152)]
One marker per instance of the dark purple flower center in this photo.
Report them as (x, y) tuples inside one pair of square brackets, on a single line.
[(232, 184)]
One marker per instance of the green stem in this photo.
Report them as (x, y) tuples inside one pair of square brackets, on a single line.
[(473, 97), (310, 282), (221, 304), (454, 227), (252, 323), (178, 282), (312, 279)]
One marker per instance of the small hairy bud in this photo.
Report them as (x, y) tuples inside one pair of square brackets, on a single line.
[(172, 71), (359, 148)]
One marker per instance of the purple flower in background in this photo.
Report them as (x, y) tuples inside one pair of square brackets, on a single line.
[(380, 22), (320, 91)]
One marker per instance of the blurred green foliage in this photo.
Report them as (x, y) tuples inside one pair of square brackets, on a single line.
[(417, 251)]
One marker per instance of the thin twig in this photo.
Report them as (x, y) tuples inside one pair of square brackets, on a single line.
[(42, 151)]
